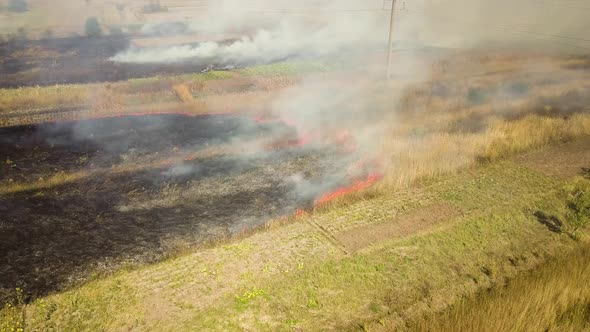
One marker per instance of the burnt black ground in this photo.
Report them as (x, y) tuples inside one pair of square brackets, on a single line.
[(75, 60), (33, 151), (54, 238)]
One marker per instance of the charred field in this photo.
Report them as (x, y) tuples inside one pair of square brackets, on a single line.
[(145, 187), (71, 60)]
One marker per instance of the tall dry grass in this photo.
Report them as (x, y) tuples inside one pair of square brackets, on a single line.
[(43, 97), (533, 131), (411, 158), (414, 158), (183, 93), (453, 121), (555, 297)]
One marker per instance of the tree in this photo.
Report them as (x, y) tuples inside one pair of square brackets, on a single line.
[(115, 31), (48, 34), (21, 34), (17, 6), (154, 7), (120, 7), (578, 207), (93, 28)]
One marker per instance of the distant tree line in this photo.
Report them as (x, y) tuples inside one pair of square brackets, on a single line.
[(154, 7), (17, 6), (92, 27), (11, 37)]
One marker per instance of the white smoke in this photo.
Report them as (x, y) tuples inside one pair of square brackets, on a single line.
[(275, 37), (266, 31)]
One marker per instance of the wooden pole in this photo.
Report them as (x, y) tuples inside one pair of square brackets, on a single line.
[(390, 44)]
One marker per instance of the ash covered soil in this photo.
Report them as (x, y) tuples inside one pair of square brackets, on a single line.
[(145, 187), (76, 60)]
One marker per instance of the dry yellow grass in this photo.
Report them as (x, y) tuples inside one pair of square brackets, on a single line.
[(509, 138), (505, 107), (39, 97), (183, 93), (554, 298), (412, 158)]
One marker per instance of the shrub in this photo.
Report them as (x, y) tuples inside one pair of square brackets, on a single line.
[(21, 34), (154, 7), (115, 31), (518, 89), (48, 34), (476, 96), (578, 206), (93, 28), (183, 93), (17, 6)]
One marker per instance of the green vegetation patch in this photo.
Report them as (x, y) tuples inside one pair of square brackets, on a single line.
[(99, 305), (290, 68)]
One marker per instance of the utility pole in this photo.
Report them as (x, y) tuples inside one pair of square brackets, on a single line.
[(390, 43)]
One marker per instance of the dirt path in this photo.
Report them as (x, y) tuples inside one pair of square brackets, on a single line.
[(564, 160), (415, 222)]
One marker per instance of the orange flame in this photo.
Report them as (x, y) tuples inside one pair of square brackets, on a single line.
[(357, 186)]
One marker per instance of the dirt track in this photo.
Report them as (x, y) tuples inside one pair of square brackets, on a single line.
[(565, 160), (423, 220)]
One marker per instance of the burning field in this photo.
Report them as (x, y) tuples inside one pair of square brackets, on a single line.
[(79, 198), (284, 178), (134, 189)]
